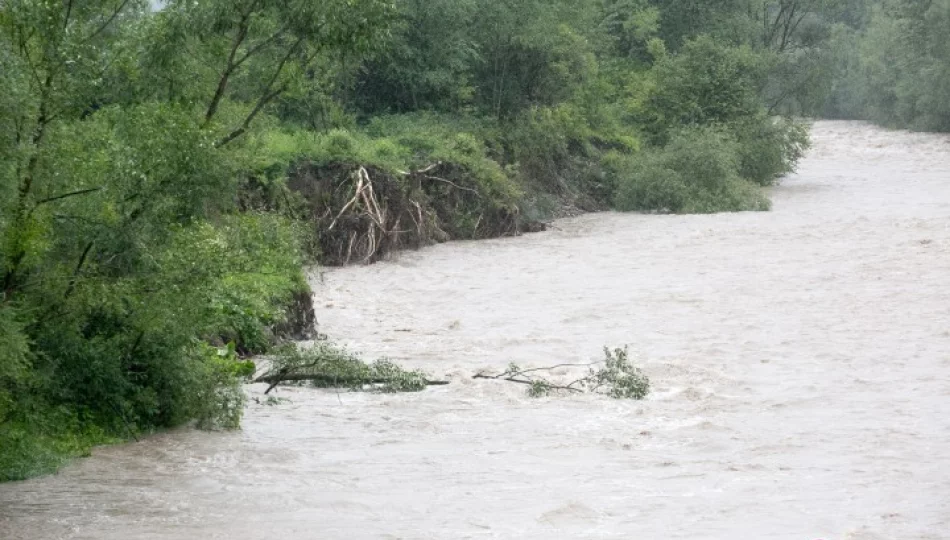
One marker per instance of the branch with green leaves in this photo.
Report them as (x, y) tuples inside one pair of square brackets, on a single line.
[(325, 365), (615, 376)]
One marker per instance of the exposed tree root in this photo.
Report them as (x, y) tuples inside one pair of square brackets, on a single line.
[(362, 213)]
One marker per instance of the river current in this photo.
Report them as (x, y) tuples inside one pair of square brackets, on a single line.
[(800, 362)]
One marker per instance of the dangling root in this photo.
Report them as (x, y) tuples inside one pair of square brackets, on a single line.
[(361, 213), (370, 208)]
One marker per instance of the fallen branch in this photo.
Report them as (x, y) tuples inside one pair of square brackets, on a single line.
[(329, 366), (616, 377), (330, 381), (538, 387)]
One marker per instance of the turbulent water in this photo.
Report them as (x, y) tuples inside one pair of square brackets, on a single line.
[(800, 360)]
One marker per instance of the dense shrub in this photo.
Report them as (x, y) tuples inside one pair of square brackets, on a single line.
[(697, 172), (707, 83), (769, 148), (113, 291), (558, 151)]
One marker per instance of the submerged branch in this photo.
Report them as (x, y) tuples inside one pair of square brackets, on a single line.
[(330, 381), (330, 366), (529, 382), (616, 377)]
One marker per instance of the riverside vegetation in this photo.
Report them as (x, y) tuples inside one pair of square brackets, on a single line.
[(167, 170)]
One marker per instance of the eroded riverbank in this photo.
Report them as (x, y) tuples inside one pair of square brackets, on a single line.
[(800, 358)]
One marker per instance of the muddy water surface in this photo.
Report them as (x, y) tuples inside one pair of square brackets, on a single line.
[(800, 360)]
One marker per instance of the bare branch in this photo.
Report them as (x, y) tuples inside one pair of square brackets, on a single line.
[(265, 98), (69, 10), (82, 261), (253, 50), (232, 65), (67, 195), (550, 368), (773, 28), (528, 382), (792, 29), (229, 68)]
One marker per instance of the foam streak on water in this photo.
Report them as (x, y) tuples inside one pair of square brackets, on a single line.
[(800, 360)]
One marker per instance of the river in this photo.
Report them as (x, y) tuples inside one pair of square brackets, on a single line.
[(800, 362)]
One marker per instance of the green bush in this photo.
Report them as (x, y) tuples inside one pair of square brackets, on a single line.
[(707, 83), (769, 148), (716, 85), (263, 256), (103, 316), (899, 74), (44, 440), (697, 172), (14, 353), (558, 150)]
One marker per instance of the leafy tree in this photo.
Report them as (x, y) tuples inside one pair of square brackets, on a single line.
[(632, 26), (529, 54), (122, 255), (427, 62), (259, 49), (683, 20), (706, 83), (697, 172), (906, 62)]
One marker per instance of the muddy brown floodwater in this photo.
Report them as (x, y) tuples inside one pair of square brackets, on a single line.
[(800, 361)]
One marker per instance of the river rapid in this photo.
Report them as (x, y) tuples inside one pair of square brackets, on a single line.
[(800, 362)]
